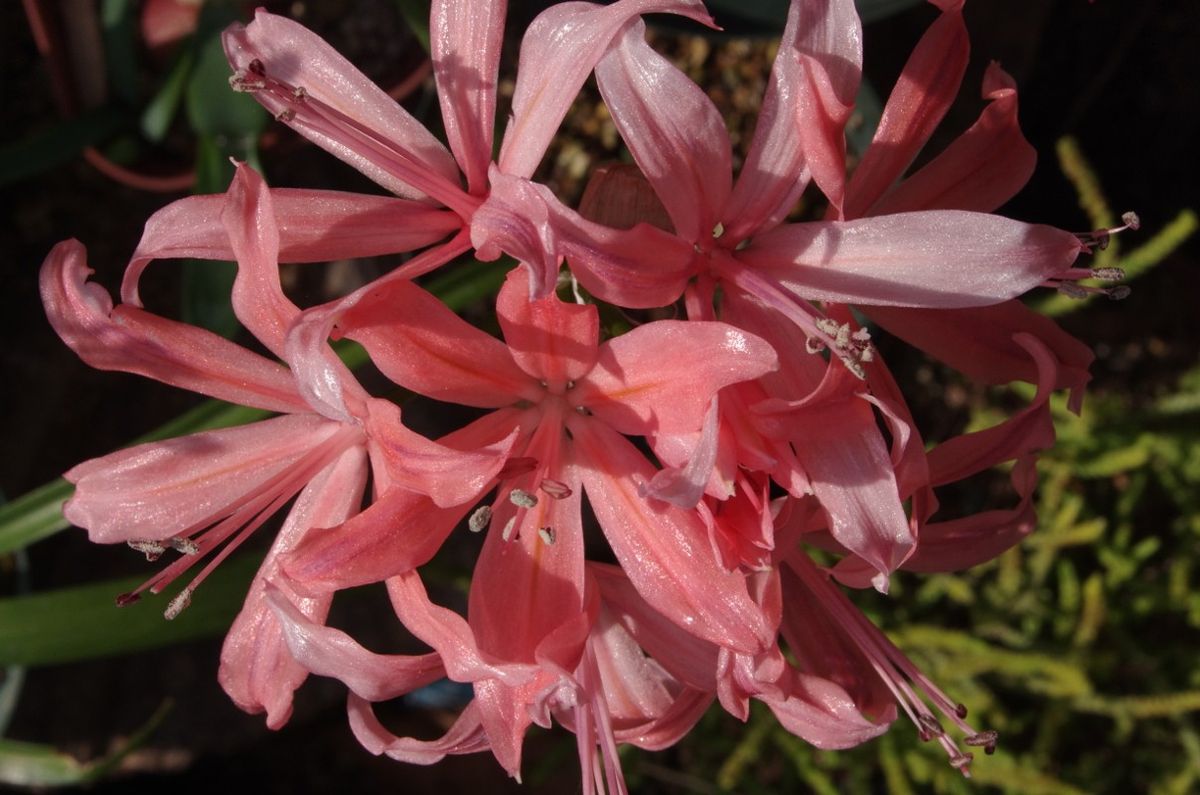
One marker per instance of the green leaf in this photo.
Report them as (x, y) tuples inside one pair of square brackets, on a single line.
[(57, 144), (84, 623), (416, 16), (213, 108), (161, 110), (118, 18)]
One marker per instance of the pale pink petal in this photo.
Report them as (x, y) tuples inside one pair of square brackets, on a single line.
[(131, 340), (464, 737), (660, 377), (944, 259), (830, 55), (823, 714), (161, 489), (668, 727), (684, 485), (465, 41), (663, 548), (558, 51), (921, 97), (417, 342), (314, 226), (326, 383), (981, 169), (295, 55), (258, 299), (672, 129), (330, 652), (638, 268), (551, 340), (257, 667), (774, 174)]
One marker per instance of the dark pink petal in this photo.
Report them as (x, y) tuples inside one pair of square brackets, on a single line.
[(295, 55), (464, 737), (257, 667), (639, 268), (921, 97), (421, 345), (979, 342), (981, 169), (330, 652), (944, 259), (161, 489), (551, 340), (465, 41), (661, 377), (774, 174), (672, 129), (130, 340), (258, 299), (664, 549), (559, 50), (314, 226), (830, 56)]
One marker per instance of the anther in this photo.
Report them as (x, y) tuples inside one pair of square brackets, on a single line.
[(1108, 274), (961, 711), (299, 93), (151, 549), (178, 604), (813, 345), (507, 533), (986, 740), (480, 518), (962, 762), (555, 489), (1119, 293), (718, 230), (570, 384), (1131, 220), (546, 534), (286, 115), (930, 727), (126, 599), (256, 67), (184, 546), (522, 498)]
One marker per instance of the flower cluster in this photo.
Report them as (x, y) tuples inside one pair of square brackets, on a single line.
[(713, 451)]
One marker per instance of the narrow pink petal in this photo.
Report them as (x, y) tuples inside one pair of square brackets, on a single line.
[(330, 652), (466, 736), (981, 169), (944, 259), (551, 340), (258, 299), (398, 532), (465, 41), (921, 97), (670, 726), (292, 53), (257, 666), (684, 485), (638, 268), (979, 341), (314, 226), (774, 174), (131, 340), (672, 129), (663, 549), (830, 55), (634, 686), (160, 489), (1029, 430), (558, 51), (823, 714), (421, 345), (660, 377)]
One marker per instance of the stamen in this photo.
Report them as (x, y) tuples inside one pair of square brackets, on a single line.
[(480, 519), (126, 599), (522, 498), (1099, 238), (1108, 274), (151, 549), (178, 604), (555, 489), (184, 546), (546, 534), (507, 533), (986, 740)]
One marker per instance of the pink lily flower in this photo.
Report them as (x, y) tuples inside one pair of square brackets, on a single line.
[(205, 494)]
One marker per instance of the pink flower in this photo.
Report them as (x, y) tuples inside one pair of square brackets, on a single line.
[(205, 494)]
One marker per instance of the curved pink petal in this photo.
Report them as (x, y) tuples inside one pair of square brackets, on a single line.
[(684, 485), (161, 489), (663, 549), (921, 97), (466, 736), (330, 652), (131, 340), (314, 226), (823, 714), (416, 341), (830, 55), (944, 259), (291, 53), (981, 169), (672, 129), (619, 196), (257, 666), (560, 48), (552, 341), (660, 377), (774, 174), (465, 41), (258, 299)]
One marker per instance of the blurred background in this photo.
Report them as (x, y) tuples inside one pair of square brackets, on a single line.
[(1080, 647)]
